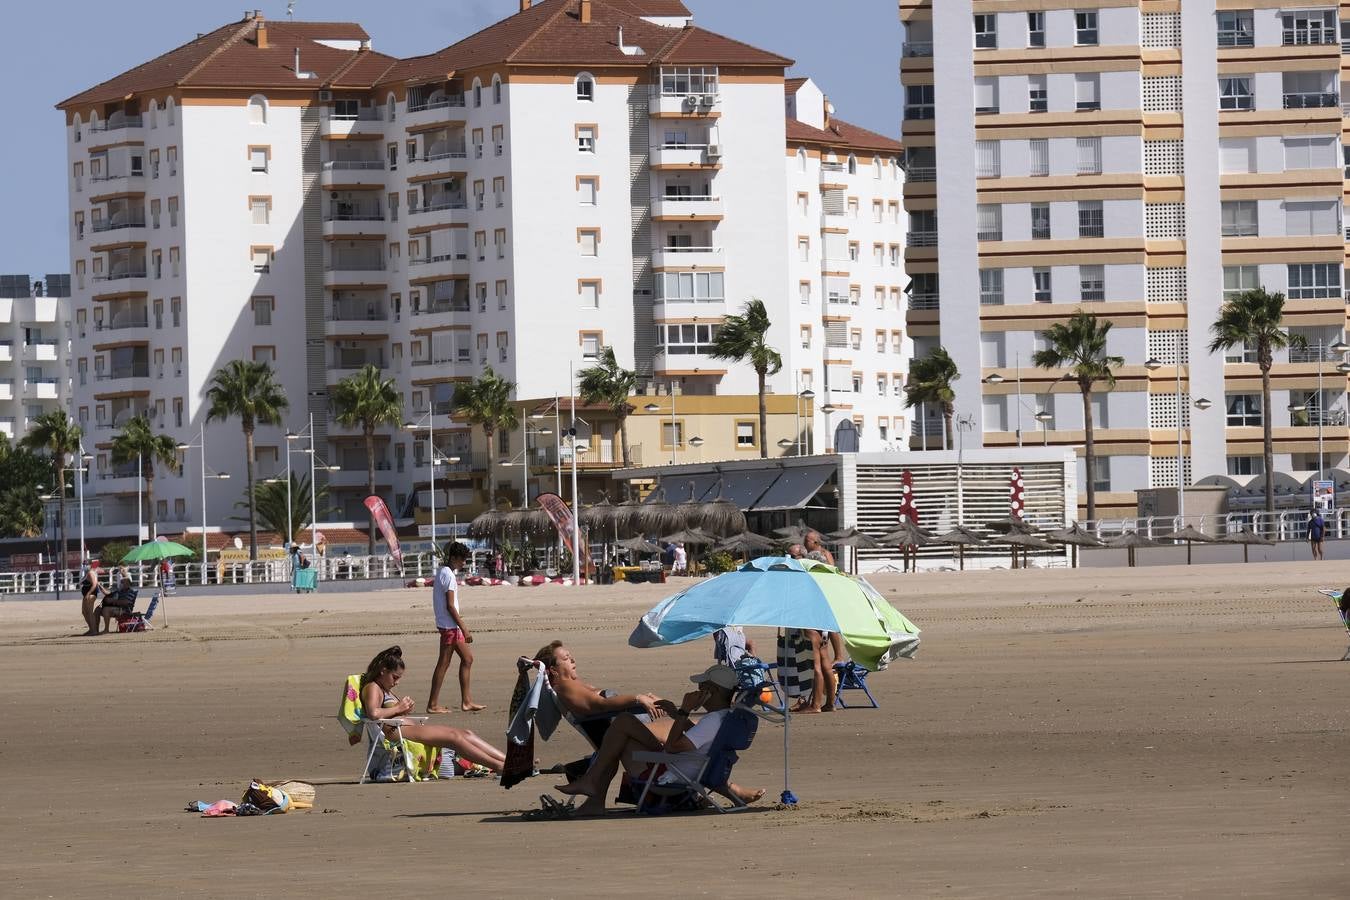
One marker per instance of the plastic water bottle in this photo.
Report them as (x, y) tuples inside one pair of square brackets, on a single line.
[(448, 763)]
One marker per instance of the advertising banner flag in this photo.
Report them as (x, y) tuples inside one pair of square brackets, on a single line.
[(561, 516), (380, 513)]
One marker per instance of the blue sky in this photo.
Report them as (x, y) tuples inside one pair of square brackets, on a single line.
[(58, 49)]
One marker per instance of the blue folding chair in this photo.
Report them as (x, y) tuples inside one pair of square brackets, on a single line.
[(713, 772), (852, 677)]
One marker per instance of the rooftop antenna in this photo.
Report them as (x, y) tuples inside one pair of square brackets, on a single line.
[(290, 9)]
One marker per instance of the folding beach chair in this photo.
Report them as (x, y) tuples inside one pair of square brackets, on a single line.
[(713, 770), (852, 677), (418, 762), (1342, 608)]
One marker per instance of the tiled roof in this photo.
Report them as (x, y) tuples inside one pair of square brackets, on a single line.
[(230, 58), (792, 85), (656, 8), (696, 46), (841, 134)]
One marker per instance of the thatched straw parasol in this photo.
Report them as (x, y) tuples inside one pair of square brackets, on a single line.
[(747, 542), (1010, 525), (599, 515), (535, 521), (627, 516), (639, 545), (656, 515), (1074, 537), (793, 534), (1016, 539), (960, 537), (1188, 534), (690, 536), (1130, 541), (485, 524), (852, 537), (909, 537), (721, 516), (1246, 537)]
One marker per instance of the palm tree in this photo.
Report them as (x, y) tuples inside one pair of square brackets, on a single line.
[(56, 433), (607, 383), (138, 441), (486, 401), (1079, 345), (367, 400), (744, 338), (930, 381), (248, 390), (1254, 319), (20, 512), (271, 498)]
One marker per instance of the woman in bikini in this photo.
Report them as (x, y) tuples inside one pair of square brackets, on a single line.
[(379, 702)]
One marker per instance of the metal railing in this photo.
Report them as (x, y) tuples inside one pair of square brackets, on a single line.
[(458, 304), (441, 103), (123, 372), (354, 165), (354, 214), (1317, 100), (689, 250), (354, 265), (113, 176), (923, 301), (444, 257), (685, 198), (461, 153), (921, 174), (101, 225), (917, 48), (363, 314), (121, 276), (363, 114), (116, 121), (1236, 39), (435, 205), (921, 239), (120, 322)]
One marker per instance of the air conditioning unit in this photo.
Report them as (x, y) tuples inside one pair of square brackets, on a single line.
[(325, 96), (709, 99), (714, 151), (691, 100)]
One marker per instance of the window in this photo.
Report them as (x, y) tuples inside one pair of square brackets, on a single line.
[(590, 294), (496, 90), (1085, 28), (1089, 156), (1345, 156), (919, 101), (1236, 93), (1237, 279), (1237, 155), (262, 260), (1040, 156), (260, 208), (852, 164), (1092, 283), (1311, 217), (989, 222), (1311, 281), (745, 435), (587, 190), (855, 338), (987, 162), (804, 249), (672, 435), (1309, 27), (986, 31), (1040, 221), (480, 291), (173, 212), (878, 254), (1246, 465), (498, 140), (804, 292), (881, 341), (1235, 28), (499, 192), (991, 349), (590, 345), (679, 81), (1309, 90), (1091, 223), (805, 335), (585, 139), (986, 96), (1244, 409), (1310, 153), (1238, 218), (477, 95), (878, 210), (685, 339), (257, 110), (1038, 96), (588, 240), (1101, 473), (258, 158), (262, 311), (1035, 29), (701, 287), (1087, 92), (991, 287), (502, 294), (1041, 285), (265, 354)]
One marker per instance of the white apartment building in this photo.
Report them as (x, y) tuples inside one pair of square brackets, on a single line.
[(1141, 159), (33, 349), (585, 173)]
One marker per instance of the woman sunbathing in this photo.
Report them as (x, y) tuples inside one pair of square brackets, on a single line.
[(591, 706), (379, 702)]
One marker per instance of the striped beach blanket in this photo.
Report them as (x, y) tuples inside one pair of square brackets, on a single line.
[(796, 665)]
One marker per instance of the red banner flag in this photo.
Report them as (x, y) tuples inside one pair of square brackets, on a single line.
[(1016, 505), (561, 515), (380, 513)]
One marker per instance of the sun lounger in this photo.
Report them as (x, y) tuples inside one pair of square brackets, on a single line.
[(389, 759)]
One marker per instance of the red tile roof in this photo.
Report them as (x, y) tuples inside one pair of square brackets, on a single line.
[(841, 134), (658, 8), (792, 85)]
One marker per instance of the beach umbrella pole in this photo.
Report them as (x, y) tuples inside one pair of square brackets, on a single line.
[(787, 798)]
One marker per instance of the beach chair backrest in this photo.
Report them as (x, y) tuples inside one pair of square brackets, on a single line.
[(736, 734), (349, 710)]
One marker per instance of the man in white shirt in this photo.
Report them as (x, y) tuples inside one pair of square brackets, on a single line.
[(628, 734), (454, 634)]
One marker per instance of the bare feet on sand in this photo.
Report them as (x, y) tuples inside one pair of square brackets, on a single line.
[(578, 788), (471, 707), (745, 795), (437, 710)]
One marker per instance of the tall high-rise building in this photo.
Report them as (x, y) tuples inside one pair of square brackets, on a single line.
[(34, 316), (584, 174), (1142, 160)]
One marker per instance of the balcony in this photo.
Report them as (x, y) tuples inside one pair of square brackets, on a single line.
[(353, 171), (6, 351), (438, 161), (126, 281), (362, 120), (120, 375), (6, 388), (447, 264), (117, 223), (923, 301), (685, 156), (115, 123), (1316, 100), (666, 105), (39, 351), (40, 388), (118, 181), (353, 473), (354, 270), (920, 174), (355, 319), (123, 321), (912, 49), (921, 239), (687, 257), (691, 207), (438, 108), (345, 361), (440, 306)]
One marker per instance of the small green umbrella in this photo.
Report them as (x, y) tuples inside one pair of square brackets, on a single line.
[(154, 550)]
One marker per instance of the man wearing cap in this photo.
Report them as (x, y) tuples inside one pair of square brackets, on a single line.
[(678, 734)]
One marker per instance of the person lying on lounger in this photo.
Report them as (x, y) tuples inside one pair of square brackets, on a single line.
[(379, 702), (627, 735), (584, 701)]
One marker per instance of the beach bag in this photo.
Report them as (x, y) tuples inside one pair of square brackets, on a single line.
[(266, 798)]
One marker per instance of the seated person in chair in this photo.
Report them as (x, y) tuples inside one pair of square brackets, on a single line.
[(117, 603), (627, 735), (590, 707), (379, 702)]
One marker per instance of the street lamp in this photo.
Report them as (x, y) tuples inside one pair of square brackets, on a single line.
[(1045, 417), (80, 471), (536, 430), (433, 460), (995, 379), (827, 408), (697, 442), (1339, 348), (219, 476)]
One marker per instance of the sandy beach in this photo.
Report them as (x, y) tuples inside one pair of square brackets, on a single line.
[(1114, 732)]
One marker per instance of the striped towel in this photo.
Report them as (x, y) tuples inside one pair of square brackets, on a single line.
[(796, 666)]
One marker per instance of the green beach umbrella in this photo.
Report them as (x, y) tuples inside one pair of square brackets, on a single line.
[(157, 550)]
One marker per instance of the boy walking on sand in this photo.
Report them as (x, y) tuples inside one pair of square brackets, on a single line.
[(454, 636)]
